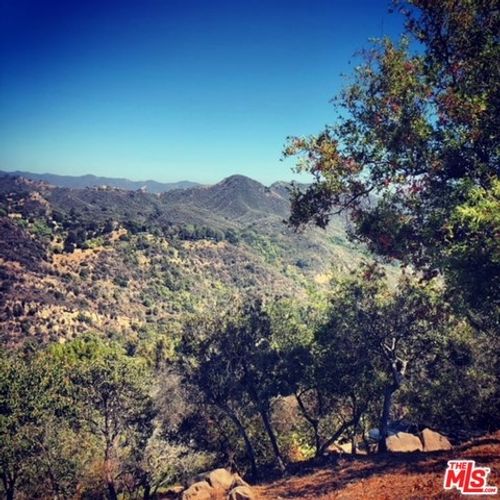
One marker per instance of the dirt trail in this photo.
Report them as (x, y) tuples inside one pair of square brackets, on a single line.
[(391, 476)]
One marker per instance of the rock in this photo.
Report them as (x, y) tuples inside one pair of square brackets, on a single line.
[(217, 484), (337, 449), (173, 493), (238, 481), (433, 441), (403, 442), (198, 491), (242, 493), (374, 435), (202, 476), (345, 447), (221, 479)]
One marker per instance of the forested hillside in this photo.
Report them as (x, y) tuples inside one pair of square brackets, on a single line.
[(125, 262)]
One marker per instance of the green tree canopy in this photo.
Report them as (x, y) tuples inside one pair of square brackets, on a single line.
[(414, 152)]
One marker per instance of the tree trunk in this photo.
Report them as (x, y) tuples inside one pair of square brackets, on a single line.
[(147, 491), (10, 493), (354, 442), (9, 484), (314, 422), (112, 491), (317, 439), (384, 419), (334, 438), (398, 368), (112, 495), (272, 438), (246, 439)]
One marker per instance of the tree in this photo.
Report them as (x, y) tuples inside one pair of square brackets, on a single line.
[(70, 242), (416, 144), (457, 387), (166, 462), (376, 336), (33, 404), (315, 368), (232, 361), (111, 393), (18, 423)]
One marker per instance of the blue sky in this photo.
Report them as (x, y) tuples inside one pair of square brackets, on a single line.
[(173, 89)]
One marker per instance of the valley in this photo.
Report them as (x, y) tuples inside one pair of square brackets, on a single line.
[(132, 263)]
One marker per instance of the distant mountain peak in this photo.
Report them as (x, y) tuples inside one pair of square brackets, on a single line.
[(240, 181)]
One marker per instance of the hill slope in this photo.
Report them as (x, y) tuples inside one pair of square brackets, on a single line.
[(134, 264), (391, 476)]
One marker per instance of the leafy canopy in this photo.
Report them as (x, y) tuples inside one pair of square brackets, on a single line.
[(413, 156)]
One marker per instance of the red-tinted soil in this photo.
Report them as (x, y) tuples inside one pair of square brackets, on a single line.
[(390, 476)]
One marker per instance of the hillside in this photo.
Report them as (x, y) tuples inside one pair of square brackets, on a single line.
[(392, 476), (132, 263)]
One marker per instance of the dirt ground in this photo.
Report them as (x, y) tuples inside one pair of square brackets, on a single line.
[(390, 476)]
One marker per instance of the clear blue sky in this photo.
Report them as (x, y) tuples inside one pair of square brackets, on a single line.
[(172, 89)]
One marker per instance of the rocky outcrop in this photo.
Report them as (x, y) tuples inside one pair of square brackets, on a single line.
[(173, 493), (403, 442), (218, 484), (433, 441), (242, 493), (198, 491), (238, 481), (220, 479)]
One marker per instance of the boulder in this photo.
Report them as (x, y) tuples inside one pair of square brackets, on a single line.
[(242, 493), (433, 441), (339, 449), (220, 479), (345, 447), (403, 442), (173, 493), (198, 491), (202, 476), (238, 481), (219, 483)]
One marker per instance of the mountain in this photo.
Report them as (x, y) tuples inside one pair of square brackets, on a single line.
[(131, 263), (83, 181), (234, 202)]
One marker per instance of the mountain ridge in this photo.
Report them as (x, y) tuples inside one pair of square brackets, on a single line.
[(90, 180)]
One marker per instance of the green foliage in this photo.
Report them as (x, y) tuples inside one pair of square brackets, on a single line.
[(472, 257), (417, 136), (41, 228), (266, 383), (264, 246), (457, 387), (232, 365), (383, 336), (86, 391), (34, 403)]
